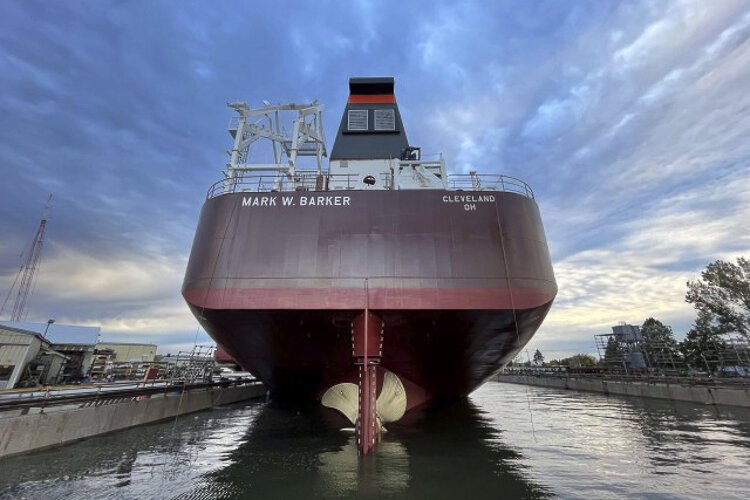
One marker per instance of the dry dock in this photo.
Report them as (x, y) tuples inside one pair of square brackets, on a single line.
[(708, 392), (31, 424)]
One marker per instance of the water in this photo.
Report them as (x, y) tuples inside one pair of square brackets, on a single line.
[(506, 441)]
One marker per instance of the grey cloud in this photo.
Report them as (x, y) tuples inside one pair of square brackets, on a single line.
[(610, 110)]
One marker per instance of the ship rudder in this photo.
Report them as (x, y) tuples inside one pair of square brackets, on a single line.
[(367, 348)]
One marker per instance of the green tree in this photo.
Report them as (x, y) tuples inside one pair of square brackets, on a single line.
[(538, 357), (659, 345), (705, 336), (722, 294), (580, 361), (654, 331), (613, 352)]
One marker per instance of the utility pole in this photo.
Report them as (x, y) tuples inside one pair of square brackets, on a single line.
[(49, 322)]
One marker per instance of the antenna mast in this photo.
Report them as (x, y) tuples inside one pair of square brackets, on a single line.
[(29, 269)]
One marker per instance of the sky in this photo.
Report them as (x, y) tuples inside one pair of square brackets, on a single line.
[(630, 120)]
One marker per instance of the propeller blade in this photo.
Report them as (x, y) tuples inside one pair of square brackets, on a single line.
[(391, 404), (344, 398)]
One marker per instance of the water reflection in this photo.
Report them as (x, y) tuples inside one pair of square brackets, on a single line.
[(590, 445), (341, 474), (154, 461), (506, 441), (445, 454)]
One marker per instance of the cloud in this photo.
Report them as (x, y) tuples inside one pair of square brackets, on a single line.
[(644, 272), (70, 274), (629, 121), (556, 115)]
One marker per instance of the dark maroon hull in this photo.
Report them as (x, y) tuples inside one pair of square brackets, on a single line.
[(461, 284), (300, 353)]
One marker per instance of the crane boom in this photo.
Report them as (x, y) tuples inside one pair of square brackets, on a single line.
[(29, 269)]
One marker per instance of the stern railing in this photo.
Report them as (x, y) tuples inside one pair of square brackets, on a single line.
[(489, 182), (275, 182)]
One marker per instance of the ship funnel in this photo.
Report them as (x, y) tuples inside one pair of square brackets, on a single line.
[(371, 87), (371, 126)]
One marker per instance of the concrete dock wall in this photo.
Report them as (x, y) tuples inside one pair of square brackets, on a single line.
[(703, 394), (22, 434)]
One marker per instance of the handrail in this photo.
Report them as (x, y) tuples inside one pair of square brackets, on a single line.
[(312, 181), (563, 372), (274, 182), (489, 182), (99, 395)]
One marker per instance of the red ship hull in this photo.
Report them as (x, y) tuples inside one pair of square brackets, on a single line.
[(461, 281)]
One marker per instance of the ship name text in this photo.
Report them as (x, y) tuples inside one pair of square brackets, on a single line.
[(469, 198), (469, 201), (302, 201)]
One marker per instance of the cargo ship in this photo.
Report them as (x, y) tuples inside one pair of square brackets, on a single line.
[(371, 285)]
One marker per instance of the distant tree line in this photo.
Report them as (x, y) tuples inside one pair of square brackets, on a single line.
[(721, 298), (576, 361)]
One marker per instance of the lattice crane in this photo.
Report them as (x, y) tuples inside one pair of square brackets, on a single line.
[(28, 270)]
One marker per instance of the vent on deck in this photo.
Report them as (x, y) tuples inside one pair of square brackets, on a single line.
[(385, 119), (357, 119)]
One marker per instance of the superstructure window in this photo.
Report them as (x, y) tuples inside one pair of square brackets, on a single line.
[(357, 119), (385, 119)]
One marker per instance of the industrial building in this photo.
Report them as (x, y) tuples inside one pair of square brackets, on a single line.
[(125, 352), (27, 358), (46, 353)]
